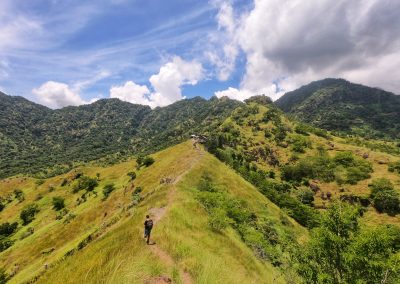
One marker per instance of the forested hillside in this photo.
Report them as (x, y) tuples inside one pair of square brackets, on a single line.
[(346, 108), (37, 140)]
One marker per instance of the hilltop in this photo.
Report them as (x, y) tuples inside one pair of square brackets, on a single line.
[(43, 142), (346, 108), (255, 207), (100, 240)]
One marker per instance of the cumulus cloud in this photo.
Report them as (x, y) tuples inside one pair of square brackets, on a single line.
[(289, 43), (167, 84), (57, 95), (131, 92)]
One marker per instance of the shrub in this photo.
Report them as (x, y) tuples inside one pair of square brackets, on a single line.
[(5, 243), (107, 189), (306, 196), (394, 167), (58, 203), (387, 201), (7, 229), (148, 161), (28, 213), (39, 182), (86, 183), (355, 174), (132, 175), (385, 198), (61, 213), (218, 220), (19, 195), (2, 206)]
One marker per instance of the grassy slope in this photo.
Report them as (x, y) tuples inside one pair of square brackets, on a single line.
[(379, 161), (118, 254)]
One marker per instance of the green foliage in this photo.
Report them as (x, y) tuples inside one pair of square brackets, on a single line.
[(344, 107), (58, 203), (306, 196), (3, 276), (28, 213), (394, 167), (338, 252), (84, 183), (5, 243), (344, 168), (19, 195), (385, 198), (107, 189), (7, 229), (45, 142), (224, 210), (148, 161), (299, 143), (132, 175)]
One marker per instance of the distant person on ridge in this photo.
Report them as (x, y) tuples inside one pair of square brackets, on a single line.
[(148, 225)]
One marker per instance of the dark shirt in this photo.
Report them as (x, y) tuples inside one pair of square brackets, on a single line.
[(148, 224)]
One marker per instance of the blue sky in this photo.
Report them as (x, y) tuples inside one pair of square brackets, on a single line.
[(155, 52)]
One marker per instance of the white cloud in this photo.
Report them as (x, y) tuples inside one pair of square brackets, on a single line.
[(131, 92), (57, 95), (293, 42), (167, 84)]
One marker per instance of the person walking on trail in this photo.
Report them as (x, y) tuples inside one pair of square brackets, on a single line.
[(148, 225)]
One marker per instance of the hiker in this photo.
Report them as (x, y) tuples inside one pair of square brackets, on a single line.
[(148, 225)]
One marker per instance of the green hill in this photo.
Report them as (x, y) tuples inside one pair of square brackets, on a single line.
[(100, 240), (346, 108), (267, 199), (45, 142)]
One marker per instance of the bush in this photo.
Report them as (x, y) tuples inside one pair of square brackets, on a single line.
[(7, 229), (218, 220), (387, 201), (385, 198), (58, 203), (107, 189), (2, 206), (306, 196), (28, 213), (19, 195), (84, 183), (132, 175), (394, 167), (5, 243), (148, 161)]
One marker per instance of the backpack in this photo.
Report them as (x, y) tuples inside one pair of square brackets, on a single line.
[(149, 224)]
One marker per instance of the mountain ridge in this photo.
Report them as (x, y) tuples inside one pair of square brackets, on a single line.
[(345, 107)]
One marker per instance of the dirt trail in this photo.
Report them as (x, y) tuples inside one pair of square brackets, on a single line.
[(158, 213)]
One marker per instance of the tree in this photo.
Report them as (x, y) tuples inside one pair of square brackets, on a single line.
[(339, 252), (58, 203), (385, 198), (28, 213)]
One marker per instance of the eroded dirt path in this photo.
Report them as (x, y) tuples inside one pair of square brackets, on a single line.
[(158, 213)]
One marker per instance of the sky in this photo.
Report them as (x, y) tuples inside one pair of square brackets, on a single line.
[(155, 52)]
